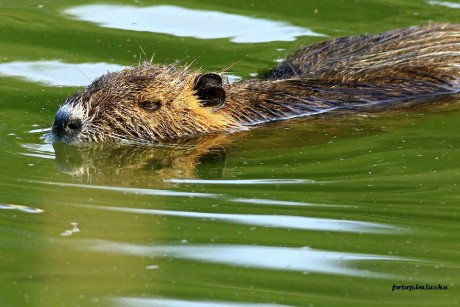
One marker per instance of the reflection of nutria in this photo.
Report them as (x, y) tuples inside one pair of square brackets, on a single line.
[(107, 164), (154, 103)]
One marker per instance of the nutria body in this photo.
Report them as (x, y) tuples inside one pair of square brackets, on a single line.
[(152, 103)]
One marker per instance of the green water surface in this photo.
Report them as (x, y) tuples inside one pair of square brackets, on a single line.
[(327, 211)]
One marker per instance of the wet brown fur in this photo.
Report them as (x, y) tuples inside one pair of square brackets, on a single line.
[(369, 72)]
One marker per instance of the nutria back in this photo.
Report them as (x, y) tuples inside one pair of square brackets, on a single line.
[(403, 53), (154, 103)]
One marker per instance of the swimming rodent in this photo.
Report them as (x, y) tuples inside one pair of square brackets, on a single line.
[(154, 103)]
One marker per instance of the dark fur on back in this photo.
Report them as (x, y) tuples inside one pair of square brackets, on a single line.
[(155, 103), (421, 52)]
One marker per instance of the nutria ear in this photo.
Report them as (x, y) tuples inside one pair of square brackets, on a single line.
[(209, 89)]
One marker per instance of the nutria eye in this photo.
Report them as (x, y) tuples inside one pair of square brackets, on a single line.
[(150, 105)]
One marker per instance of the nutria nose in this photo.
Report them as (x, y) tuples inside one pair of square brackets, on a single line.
[(66, 125)]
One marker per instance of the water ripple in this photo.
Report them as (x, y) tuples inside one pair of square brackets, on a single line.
[(158, 192), (266, 220), (451, 5), (20, 208), (43, 151), (57, 73), (274, 202), (302, 259), (242, 181), (167, 302)]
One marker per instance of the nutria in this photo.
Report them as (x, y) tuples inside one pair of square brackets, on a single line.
[(152, 103)]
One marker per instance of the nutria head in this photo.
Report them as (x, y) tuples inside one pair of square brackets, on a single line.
[(148, 103)]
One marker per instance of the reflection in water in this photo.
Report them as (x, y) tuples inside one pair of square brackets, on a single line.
[(163, 165), (185, 22), (70, 232), (140, 191), (148, 302), (275, 202), (20, 208), (281, 258), (40, 130), (203, 158), (264, 220), (172, 193), (451, 5), (242, 181), (44, 151), (57, 73)]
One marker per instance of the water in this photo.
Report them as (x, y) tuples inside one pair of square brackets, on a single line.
[(320, 212)]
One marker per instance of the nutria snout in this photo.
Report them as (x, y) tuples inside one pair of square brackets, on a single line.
[(153, 103), (66, 126)]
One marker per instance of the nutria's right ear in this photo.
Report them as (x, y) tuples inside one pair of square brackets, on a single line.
[(209, 89)]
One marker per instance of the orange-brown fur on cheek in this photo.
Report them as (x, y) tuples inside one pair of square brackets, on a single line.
[(180, 115), (184, 116)]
